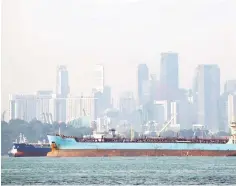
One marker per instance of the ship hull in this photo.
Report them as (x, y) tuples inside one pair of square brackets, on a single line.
[(110, 153), (28, 150), (27, 154), (70, 147)]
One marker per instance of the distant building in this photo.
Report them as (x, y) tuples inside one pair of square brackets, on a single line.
[(43, 105), (53, 108), (206, 94), (62, 93), (161, 111), (146, 91), (60, 109), (169, 75), (22, 106), (154, 88), (231, 108), (98, 75), (225, 105), (127, 103), (175, 112), (230, 86), (106, 96), (99, 106), (143, 77), (80, 107), (62, 82)]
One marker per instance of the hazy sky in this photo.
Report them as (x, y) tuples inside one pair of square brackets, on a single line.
[(38, 35)]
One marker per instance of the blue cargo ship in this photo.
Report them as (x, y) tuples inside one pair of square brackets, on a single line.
[(25, 149), (69, 146)]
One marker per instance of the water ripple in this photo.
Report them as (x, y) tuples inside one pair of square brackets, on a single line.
[(119, 171)]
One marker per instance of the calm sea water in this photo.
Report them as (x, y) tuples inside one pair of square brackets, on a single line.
[(119, 171)]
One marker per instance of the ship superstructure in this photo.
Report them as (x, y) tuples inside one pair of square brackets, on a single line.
[(23, 148)]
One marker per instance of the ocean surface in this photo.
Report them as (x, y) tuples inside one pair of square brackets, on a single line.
[(119, 171)]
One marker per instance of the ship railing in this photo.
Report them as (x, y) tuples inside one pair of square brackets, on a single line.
[(151, 140), (38, 144)]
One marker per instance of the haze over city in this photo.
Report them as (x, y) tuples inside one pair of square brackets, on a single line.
[(93, 91), (37, 36)]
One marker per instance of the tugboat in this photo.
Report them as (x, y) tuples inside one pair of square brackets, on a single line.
[(25, 149)]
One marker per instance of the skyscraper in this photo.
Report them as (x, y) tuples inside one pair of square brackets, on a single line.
[(22, 106), (230, 86), (106, 97), (43, 105), (231, 110), (143, 77), (62, 93), (99, 78), (206, 92), (169, 75), (62, 82)]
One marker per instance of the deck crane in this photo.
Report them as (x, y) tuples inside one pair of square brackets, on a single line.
[(166, 125)]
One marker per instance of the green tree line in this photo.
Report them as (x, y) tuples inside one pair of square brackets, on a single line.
[(34, 131)]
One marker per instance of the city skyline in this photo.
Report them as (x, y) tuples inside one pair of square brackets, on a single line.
[(31, 54), (205, 88), (117, 97)]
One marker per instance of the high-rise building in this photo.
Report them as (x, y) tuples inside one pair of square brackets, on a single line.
[(60, 109), (186, 113), (62, 93), (206, 92), (127, 103), (224, 104), (62, 82), (230, 86), (99, 107), (98, 78), (53, 108), (80, 107), (231, 108), (161, 111), (22, 106), (169, 75), (43, 104), (106, 97), (154, 88), (143, 77), (174, 112)]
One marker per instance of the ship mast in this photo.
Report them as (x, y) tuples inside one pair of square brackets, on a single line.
[(20, 141)]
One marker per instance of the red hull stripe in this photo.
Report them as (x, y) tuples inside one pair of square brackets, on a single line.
[(101, 153), (29, 154)]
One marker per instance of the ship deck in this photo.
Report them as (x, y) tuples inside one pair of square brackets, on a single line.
[(150, 140)]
